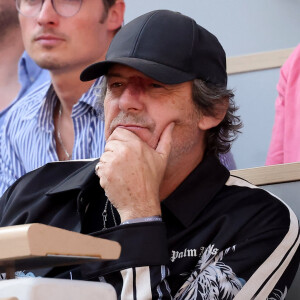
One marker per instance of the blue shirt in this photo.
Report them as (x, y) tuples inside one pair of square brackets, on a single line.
[(28, 140), (227, 160), (30, 77)]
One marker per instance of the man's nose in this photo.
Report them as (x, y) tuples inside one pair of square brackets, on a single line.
[(47, 14), (132, 99)]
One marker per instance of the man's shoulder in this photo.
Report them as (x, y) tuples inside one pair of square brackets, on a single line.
[(244, 189), (49, 176), (61, 168), (296, 54), (257, 202), (31, 193), (292, 64), (28, 105)]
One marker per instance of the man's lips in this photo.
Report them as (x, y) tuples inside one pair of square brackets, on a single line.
[(131, 127), (48, 39), (144, 131)]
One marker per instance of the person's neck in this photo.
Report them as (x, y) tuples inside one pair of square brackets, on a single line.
[(68, 86), (69, 89), (10, 52), (178, 171)]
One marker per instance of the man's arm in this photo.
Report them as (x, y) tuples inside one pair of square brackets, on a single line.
[(146, 269), (10, 167), (276, 151)]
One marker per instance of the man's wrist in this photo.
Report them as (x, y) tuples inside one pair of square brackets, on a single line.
[(141, 220)]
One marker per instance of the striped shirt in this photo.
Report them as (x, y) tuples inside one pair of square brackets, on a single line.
[(28, 139), (30, 76)]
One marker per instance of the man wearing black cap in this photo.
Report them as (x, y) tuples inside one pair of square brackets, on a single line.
[(188, 229)]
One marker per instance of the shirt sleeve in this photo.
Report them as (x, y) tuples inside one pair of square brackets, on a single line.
[(284, 136), (140, 220), (142, 272), (10, 165), (276, 152), (227, 160)]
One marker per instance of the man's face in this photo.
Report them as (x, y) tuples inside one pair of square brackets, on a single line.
[(144, 106), (59, 43), (8, 16)]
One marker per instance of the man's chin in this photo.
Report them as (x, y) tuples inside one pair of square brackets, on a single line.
[(143, 133), (49, 64)]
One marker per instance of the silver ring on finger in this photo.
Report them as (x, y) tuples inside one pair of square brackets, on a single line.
[(97, 168)]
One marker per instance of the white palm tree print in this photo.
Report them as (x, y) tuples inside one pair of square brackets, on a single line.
[(211, 280), (278, 295)]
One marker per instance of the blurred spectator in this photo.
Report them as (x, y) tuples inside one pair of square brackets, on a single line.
[(284, 147), (17, 77), (59, 121)]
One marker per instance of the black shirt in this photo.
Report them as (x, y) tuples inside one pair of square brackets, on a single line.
[(219, 233)]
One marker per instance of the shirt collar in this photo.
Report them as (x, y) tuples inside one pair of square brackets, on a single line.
[(91, 99), (45, 113), (197, 190), (46, 110), (91, 96), (28, 70), (81, 179)]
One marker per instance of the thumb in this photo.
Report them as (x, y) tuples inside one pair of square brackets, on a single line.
[(165, 141)]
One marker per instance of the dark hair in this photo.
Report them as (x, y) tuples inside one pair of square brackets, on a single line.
[(108, 4), (210, 100)]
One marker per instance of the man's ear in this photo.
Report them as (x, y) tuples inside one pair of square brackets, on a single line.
[(116, 15), (209, 121)]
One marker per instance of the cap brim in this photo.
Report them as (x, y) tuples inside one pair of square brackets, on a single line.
[(156, 71)]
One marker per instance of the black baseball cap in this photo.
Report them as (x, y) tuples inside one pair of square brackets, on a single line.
[(166, 46)]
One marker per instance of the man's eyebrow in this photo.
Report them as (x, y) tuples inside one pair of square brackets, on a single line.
[(113, 74)]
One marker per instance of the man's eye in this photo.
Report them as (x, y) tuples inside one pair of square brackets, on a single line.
[(115, 85), (156, 85)]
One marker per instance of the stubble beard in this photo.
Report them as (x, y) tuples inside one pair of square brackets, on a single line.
[(50, 64), (125, 118), (51, 58), (184, 143), (47, 60), (183, 146)]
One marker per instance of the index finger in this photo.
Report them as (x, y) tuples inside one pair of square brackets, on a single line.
[(165, 142)]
